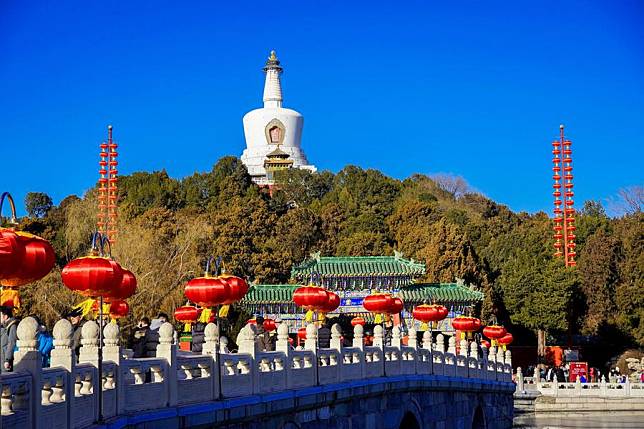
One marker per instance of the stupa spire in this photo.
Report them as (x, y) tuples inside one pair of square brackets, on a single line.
[(272, 85)]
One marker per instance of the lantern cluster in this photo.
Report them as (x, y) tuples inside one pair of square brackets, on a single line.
[(108, 188), (564, 211), (99, 276), (24, 258), (494, 332), (383, 303), (429, 313)]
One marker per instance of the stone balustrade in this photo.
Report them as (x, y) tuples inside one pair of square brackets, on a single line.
[(66, 395), (602, 388)]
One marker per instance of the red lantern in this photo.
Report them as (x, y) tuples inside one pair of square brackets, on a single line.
[(378, 303), (92, 275), (11, 252), (494, 332), (357, 321), (301, 333), (310, 297), (36, 262), (506, 340), (466, 324), (332, 303), (269, 325), (396, 306), (126, 288), (430, 313), (485, 343), (238, 288), (207, 291), (119, 309), (187, 314)]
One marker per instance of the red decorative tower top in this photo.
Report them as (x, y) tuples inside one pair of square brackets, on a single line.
[(564, 211), (107, 188)]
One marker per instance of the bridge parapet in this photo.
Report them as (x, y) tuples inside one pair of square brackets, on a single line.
[(66, 395)]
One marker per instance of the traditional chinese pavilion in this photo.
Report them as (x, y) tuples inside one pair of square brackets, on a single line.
[(354, 278)]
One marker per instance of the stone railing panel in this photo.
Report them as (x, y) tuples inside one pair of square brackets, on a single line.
[(329, 368), (270, 372), (144, 384), (373, 362), (194, 379), (302, 369), (438, 359), (449, 367), (392, 360), (54, 398), (15, 400), (85, 402), (110, 391), (352, 365), (236, 374), (408, 358), (424, 361)]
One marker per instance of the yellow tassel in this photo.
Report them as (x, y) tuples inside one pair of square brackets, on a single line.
[(423, 326), (205, 315), (463, 335), (85, 307), (503, 347), (378, 318), (321, 317), (186, 327), (309, 316), (223, 311), (10, 298)]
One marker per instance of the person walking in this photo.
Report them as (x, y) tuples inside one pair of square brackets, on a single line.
[(8, 337), (262, 336), (139, 339), (75, 317), (45, 342), (324, 335)]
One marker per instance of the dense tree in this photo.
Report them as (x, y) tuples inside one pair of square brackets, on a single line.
[(38, 204), (168, 228)]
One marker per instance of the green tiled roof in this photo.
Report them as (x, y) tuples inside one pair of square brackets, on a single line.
[(269, 294), (441, 293), (348, 266), (451, 293)]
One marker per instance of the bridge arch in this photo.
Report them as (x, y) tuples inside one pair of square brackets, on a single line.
[(478, 418), (412, 416)]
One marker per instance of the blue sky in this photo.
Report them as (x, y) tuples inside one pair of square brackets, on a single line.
[(473, 88)]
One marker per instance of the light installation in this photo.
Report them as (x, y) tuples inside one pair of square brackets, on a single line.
[(108, 188)]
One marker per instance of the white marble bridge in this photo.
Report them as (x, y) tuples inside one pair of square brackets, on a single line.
[(361, 386)]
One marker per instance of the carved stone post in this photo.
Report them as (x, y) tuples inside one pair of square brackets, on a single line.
[(89, 354), (336, 334), (358, 335), (474, 350), (282, 344), (451, 345), (396, 341), (247, 345), (112, 352), (211, 348), (520, 382), (168, 350), (508, 358), (440, 343), (311, 341), (463, 347), (378, 337), (63, 356), (28, 359), (412, 338), (427, 341)]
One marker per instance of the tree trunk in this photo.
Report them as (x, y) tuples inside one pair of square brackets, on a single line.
[(541, 345)]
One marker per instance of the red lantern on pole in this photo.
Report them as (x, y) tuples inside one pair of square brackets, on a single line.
[(378, 303), (11, 252), (333, 302), (118, 309), (466, 324), (125, 289), (494, 332), (238, 288), (207, 291), (187, 314), (357, 321), (35, 263), (506, 340), (92, 276), (310, 297)]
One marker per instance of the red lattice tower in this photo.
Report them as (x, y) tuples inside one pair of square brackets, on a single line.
[(564, 211), (108, 188)]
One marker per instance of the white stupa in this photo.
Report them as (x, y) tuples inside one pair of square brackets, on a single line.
[(272, 128)]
